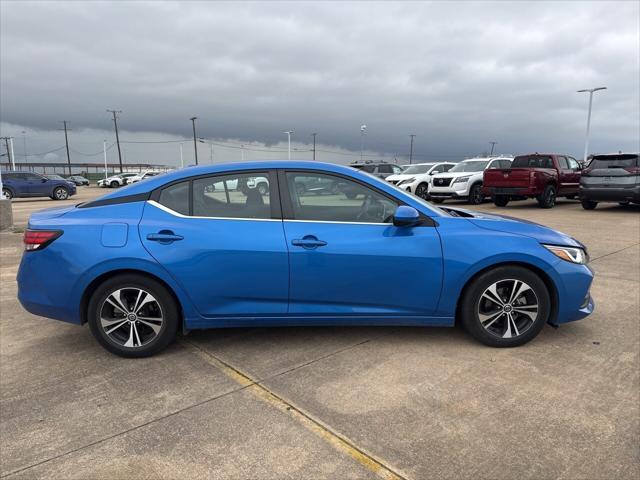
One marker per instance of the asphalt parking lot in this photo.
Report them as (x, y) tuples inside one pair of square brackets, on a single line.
[(334, 402)]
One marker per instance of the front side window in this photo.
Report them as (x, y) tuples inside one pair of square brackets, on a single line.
[(573, 163), (347, 201), (238, 195)]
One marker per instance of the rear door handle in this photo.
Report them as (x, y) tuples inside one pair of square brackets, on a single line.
[(308, 242), (164, 236)]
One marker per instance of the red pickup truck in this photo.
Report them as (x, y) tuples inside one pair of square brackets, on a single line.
[(543, 176)]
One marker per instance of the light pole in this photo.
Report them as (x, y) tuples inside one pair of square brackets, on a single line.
[(314, 145), (195, 141), (13, 157), (586, 140), (24, 145), (181, 157), (493, 144), (411, 151), (363, 132), (104, 151), (289, 133)]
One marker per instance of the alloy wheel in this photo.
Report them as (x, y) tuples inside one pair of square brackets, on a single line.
[(508, 308), (421, 191), (61, 193), (131, 317)]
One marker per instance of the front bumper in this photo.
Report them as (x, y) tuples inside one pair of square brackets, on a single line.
[(455, 190)]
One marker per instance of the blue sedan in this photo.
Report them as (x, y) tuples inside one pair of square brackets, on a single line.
[(241, 245)]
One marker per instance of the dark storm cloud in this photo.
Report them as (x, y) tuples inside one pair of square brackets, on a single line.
[(455, 74)]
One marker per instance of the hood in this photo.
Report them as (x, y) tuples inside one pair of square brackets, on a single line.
[(455, 174), (400, 176), (503, 223)]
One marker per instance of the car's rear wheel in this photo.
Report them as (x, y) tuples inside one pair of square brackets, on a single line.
[(422, 191), (60, 193), (133, 316), (505, 307), (588, 204), (8, 194), (547, 198), (501, 200), (475, 194)]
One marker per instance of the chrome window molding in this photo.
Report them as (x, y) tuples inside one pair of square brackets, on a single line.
[(181, 215)]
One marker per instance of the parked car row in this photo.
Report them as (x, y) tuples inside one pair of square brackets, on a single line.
[(122, 179), (544, 177)]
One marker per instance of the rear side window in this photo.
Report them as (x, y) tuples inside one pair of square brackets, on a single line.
[(239, 195), (385, 169), (176, 197)]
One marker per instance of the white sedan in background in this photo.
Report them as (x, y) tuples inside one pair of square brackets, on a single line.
[(417, 178)]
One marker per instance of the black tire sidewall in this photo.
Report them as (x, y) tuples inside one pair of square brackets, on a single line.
[(545, 201), (162, 295), (471, 299), (474, 197), (501, 201)]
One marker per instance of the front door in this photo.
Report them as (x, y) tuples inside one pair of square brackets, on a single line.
[(347, 258), (221, 239)]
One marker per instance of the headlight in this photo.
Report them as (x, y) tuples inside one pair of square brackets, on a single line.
[(569, 254), (407, 180), (462, 179)]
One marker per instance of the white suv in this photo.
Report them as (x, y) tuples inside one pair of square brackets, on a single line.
[(116, 181), (143, 176), (464, 180), (417, 178)]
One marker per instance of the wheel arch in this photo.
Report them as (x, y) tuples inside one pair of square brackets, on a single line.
[(90, 288), (548, 281)]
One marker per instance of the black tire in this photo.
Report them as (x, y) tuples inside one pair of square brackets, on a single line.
[(623, 204), (475, 195), (60, 193), (114, 184), (547, 199), (437, 200), (422, 191), (501, 200), (588, 204), (8, 193), (471, 303), (263, 188), (169, 310)]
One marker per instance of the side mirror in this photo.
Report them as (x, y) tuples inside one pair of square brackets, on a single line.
[(406, 216), (44, 180)]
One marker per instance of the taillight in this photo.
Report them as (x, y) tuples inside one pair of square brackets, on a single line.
[(38, 239), (635, 170), (586, 171)]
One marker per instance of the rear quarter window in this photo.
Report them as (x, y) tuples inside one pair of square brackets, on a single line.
[(176, 197)]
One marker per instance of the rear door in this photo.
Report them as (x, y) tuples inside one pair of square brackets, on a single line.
[(222, 241), (346, 257), (576, 172)]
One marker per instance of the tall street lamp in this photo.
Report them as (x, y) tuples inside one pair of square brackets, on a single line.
[(195, 141), (411, 149), (586, 140), (289, 133), (363, 132)]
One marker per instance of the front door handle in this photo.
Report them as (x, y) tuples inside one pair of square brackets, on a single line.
[(164, 237), (308, 242)]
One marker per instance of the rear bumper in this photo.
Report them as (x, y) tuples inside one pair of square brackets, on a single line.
[(613, 194), (516, 191)]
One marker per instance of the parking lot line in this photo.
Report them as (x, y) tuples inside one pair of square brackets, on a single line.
[(335, 439)]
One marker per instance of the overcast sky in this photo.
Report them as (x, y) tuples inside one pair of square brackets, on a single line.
[(457, 75)]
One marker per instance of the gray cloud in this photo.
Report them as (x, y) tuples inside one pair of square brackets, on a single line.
[(457, 74)]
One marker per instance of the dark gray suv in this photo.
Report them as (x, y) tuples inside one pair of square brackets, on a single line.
[(610, 178), (379, 169)]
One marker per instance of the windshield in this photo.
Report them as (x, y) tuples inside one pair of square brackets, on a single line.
[(416, 169), (474, 166)]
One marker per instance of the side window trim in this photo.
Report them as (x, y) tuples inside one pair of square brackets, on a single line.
[(287, 206), (274, 193)]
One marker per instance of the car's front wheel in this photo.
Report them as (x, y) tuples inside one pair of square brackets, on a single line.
[(60, 193), (475, 195), (133, 316), (422, 191), (114, 184), (505, 307)]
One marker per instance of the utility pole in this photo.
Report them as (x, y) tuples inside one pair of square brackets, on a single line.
[(115, 124), (13, 157), (104, 151), (12, 163), (363, 132), (24, 145), (195, 141), (411, 150), (181, 157), (289, 132), (314, 145), (66, 142), (493, 144), (586, 140)]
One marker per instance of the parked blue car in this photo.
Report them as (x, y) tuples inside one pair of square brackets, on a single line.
[(203, 247), (28, 184)]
